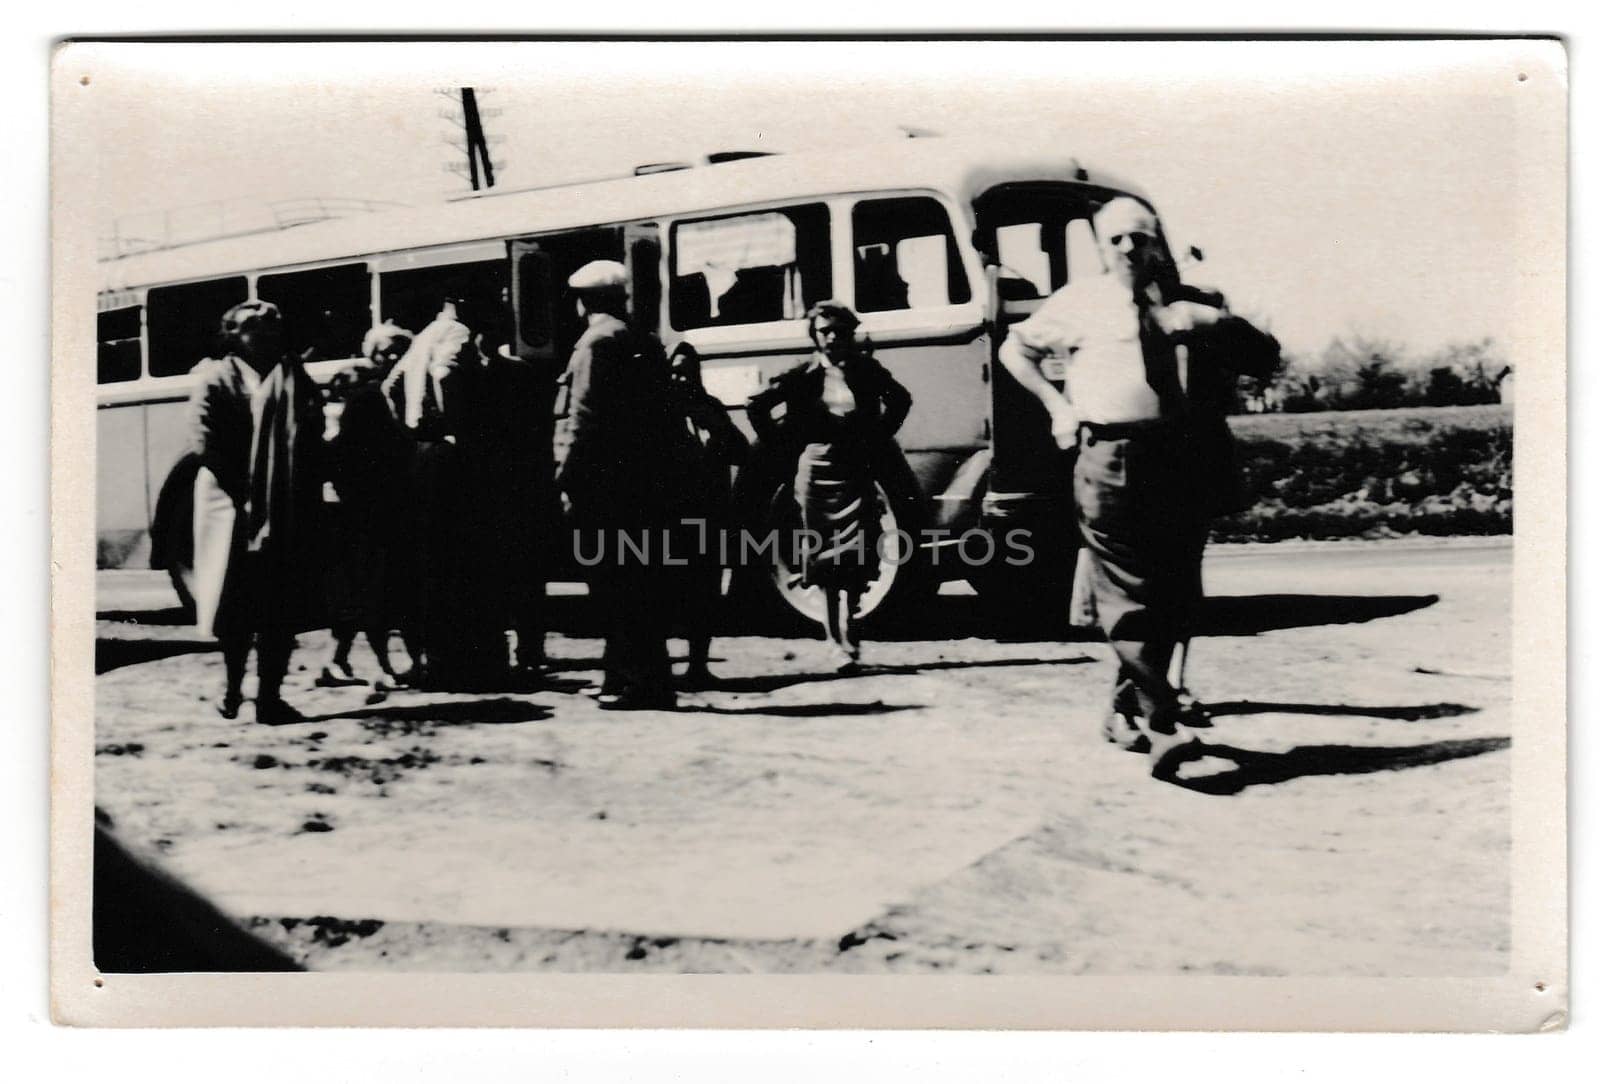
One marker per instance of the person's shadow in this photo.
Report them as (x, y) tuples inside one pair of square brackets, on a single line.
[(1250, 768), (111, 654), (1248, 615), (960, 616), (1405, 713)]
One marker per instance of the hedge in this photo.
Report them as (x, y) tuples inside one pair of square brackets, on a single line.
[(1373, 473)]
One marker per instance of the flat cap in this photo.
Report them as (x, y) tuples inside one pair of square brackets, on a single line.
[(599, 275)]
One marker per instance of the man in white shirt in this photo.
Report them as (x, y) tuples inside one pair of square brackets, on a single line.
[(1136, 483)]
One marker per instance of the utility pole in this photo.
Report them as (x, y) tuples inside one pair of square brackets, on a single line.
[(480, 165)]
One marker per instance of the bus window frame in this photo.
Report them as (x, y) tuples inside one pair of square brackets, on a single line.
[(113, 303), (898, 325), (894, 326), (322, 364), (764, 334), (165, 379)]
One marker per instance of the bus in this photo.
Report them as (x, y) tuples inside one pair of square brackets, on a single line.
[(939, 245)]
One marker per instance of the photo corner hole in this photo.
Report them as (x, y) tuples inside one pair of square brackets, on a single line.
[(99, 984), (1540, 987), (83, 80), (1522, 77)]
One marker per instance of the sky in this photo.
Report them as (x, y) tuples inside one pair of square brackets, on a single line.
[(1335, 188)]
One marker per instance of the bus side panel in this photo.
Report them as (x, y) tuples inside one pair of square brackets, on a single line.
[(949, 405), (949, 402), (122, 518), (166, 437)]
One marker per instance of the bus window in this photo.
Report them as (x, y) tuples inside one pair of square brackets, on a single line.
[(326, 311), (906, 255), (413, 297), (1023, 258), (182, 322), (1083, 249), (750, 268), (118, 333)]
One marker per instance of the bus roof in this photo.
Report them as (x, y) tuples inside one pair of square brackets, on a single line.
[(961, 168)]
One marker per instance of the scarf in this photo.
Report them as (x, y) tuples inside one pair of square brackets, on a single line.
[(277, 482), (443, 342)]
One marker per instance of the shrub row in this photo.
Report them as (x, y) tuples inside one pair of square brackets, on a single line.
[(1374, 473)]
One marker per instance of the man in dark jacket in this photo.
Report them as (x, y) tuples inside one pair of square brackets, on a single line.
[(612, 477)]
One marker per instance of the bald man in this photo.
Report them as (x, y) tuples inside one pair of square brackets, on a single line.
[(1137, 485)]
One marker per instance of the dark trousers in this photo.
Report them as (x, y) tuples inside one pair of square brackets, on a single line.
[(460, 628), (632, 598), (258, 620), (1140, 521)]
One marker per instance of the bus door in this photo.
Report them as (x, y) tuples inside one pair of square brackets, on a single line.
[(547, 321), (642, 245), (1034, 237)]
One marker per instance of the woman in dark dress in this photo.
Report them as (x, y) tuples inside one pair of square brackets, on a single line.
[(711, 446), (368, 465), (841, 411)]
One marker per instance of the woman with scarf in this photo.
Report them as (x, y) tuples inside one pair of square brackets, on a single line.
[(429, 391), (255, 425), (842, 410)]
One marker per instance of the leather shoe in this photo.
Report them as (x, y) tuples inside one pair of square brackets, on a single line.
[(275, 712), (1122, 730)]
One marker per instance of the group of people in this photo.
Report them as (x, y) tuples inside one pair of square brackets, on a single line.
[(406, 497), (419, 493), (436, 449), (650, 451)]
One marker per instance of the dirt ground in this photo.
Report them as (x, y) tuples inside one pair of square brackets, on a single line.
[(953, 808)]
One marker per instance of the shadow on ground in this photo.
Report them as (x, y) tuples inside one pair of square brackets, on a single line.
[(805, 711), (1247, 615), (110, 654), (494, 710), (1250, 768), (959, 617), (171, 615), (766, 683), (1409, 713)]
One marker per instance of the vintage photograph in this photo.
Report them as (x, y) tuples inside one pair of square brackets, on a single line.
[(850, 508)]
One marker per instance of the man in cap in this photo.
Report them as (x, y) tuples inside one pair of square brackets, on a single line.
[(1124, 407), (617, 385)]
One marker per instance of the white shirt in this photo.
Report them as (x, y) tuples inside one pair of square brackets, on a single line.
[(1092, 326)]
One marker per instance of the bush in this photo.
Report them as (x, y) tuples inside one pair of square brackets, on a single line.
[(1374, 473)]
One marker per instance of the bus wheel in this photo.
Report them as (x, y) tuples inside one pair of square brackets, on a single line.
[(901, 582)]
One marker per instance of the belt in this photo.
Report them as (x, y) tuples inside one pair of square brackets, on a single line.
[(1150, 427)]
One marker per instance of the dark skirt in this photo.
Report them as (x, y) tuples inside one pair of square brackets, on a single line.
[(839, 511), (357, 573)]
